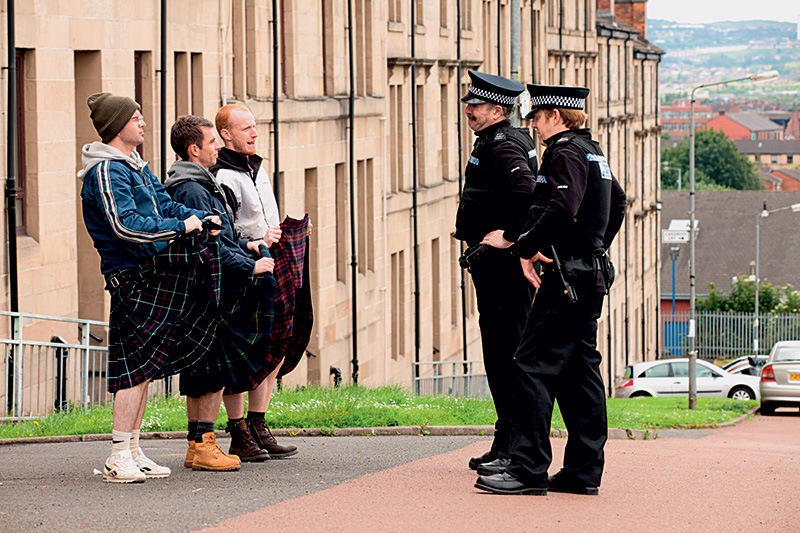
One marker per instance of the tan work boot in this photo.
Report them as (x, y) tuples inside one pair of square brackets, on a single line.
[(209, 456), (187, 462)]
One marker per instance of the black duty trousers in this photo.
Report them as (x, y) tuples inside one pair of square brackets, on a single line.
[(504, 300), (557, 360)]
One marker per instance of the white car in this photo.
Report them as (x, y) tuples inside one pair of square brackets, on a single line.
[(744, 365), (670, 377), (780, 377)]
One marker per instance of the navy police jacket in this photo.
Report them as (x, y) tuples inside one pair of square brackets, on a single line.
[(578, 205), (499, 184)]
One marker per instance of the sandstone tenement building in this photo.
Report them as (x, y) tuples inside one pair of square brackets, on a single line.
[(407, 76)]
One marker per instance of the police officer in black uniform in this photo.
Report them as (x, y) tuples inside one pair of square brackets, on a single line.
[(578, 208), (494, 204)]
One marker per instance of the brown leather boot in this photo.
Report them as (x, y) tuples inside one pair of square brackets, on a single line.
[(263, 436), (209, 456), (243, 445), (187, 462)]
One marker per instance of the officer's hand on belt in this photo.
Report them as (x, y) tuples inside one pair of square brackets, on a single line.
[(495, 239), (530, 272)]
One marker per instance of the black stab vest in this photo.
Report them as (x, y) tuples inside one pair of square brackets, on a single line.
[(485, 199)]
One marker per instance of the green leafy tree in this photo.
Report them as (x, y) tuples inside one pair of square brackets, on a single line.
[(741, 298), (718, 164)]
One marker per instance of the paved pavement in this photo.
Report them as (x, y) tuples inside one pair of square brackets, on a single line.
[(731, 479)]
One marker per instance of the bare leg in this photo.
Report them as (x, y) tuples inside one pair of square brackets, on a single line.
[(192, 408), (208, 406), (234, 405), (142, 405), (260, 397), (127, 406)]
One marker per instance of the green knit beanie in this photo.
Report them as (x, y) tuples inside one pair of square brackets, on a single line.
[(110, 113)]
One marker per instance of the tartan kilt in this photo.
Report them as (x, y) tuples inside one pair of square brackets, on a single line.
[(164, 313), (294, 317), (244, 335), (292, 347)]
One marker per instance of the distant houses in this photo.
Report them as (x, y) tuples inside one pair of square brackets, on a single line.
[(738, 126), (777, 153), (771, 139)]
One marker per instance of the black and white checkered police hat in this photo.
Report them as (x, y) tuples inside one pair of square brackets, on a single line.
[(562, 96), (493, 89)]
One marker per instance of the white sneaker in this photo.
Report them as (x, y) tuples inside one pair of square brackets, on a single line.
[(120, 468), (149, 467)]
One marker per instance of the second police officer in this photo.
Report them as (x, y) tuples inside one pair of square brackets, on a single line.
[(577, 211), (498, 192)]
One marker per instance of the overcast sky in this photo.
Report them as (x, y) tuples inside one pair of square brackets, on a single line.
[(721, 10)]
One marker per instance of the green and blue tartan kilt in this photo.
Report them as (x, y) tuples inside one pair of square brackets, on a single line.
[(164, 314), (243, 338)]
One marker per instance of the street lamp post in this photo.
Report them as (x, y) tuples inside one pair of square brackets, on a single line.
[(764, 213), (761, 76)]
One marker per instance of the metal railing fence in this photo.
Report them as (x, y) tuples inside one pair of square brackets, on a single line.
[(726, 335), (450, 378), (44, 373)]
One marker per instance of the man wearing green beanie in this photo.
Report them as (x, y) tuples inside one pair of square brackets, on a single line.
[(161, 271)]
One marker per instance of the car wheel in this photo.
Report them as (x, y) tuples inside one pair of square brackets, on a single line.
[(767, 409), (741, 393), (640, 394)]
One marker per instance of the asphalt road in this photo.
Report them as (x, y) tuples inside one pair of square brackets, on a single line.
[(741, 478), (51, 487)]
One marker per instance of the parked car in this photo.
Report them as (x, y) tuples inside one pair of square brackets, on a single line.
[(670, 377), (780, 377), (749, 365)]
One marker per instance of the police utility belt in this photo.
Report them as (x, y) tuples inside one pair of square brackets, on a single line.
[(583, 273)]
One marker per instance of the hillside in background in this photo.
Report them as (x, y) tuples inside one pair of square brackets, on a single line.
[(707, 53)]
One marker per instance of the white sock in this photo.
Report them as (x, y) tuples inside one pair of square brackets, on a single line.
[(135, 443), (120, 441)]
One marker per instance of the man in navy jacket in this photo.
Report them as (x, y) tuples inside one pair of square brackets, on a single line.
[(163, 286)]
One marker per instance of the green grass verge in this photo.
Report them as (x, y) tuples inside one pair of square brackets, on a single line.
[(329, 408)]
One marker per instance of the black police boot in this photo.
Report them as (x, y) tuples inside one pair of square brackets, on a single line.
[(488, 457), (498, 466), (565, 482), (506, 483)]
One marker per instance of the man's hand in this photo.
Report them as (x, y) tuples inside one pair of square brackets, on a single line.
[(263, 265), (216, 220), (253, 245), (273, 235), (495, 239), (530, 272), (192, 224)]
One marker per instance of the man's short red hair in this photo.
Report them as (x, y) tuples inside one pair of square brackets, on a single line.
[(223, 118)]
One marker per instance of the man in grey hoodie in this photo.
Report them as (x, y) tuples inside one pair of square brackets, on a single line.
[(163, 285), (246, 305)]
